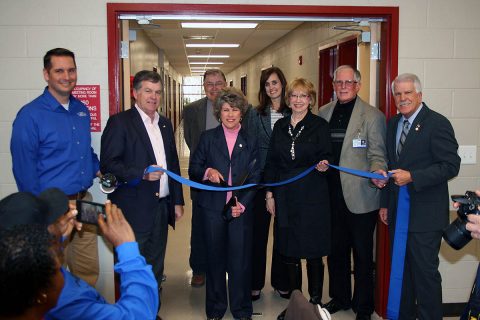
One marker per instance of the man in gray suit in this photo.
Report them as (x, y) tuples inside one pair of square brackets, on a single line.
[(358, 141), (198, 117)]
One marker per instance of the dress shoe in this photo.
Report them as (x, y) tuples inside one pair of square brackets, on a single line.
[(333, 306), (158, 318), (198, 280), (361, 316), (284, 295), (256, 295), (281, 316)]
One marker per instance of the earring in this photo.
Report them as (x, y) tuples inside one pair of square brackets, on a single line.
[(241, 119), (42, 299)]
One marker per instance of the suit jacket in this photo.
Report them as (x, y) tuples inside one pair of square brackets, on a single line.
[(430, 154), (194, 121), (368, 123), (126, 152), (212, 152)]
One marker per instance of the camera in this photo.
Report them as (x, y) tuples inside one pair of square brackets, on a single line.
[(108, 183), (88, 211), (456, 234)]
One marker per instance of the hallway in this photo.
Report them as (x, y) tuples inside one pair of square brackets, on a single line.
[(180, 301)]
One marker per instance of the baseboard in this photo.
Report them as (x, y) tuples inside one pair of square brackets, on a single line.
[(453, 309)]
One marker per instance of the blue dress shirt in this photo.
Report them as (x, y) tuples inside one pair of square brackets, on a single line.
[(138, 292), (51, 147)]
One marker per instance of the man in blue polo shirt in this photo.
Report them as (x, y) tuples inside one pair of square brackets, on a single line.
[(51, 147)]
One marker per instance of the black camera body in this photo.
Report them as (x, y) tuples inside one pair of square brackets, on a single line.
[(108, 183), (456, 234)]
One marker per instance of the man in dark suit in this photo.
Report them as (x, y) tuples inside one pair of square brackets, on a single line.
[(358, 141), (132, 141), (198, 117), (422, 155)]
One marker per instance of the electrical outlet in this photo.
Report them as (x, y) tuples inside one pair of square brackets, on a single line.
[(468, 154)]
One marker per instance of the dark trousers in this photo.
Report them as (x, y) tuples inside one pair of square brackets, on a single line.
[(153, 244), (261, 226), (198, 252), (352, 232), (422, 283), (228, 251)]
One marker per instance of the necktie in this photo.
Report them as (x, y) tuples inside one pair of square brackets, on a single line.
[(403, 136)]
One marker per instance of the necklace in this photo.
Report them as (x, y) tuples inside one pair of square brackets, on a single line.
[(292, 148), (293, 121)]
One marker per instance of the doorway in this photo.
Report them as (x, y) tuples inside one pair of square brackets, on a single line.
[(388, 68)]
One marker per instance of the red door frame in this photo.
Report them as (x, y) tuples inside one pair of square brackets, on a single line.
[(390, 30)]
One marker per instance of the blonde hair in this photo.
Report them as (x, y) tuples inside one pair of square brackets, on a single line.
[(303, 84)]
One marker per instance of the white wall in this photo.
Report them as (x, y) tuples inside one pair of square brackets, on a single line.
[(438, 40)]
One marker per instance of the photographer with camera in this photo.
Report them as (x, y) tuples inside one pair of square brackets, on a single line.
[(78, 300), (459, 233)]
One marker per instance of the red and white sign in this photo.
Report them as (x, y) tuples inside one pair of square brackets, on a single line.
[(90, 96)]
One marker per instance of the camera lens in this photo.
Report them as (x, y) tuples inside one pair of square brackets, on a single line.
[(456, 234)]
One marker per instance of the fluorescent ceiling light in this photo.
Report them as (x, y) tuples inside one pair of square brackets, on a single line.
[(198, 37), (206, 62), (208, 56), (212, 45), (143, 21), (198, 69), (219, 25)]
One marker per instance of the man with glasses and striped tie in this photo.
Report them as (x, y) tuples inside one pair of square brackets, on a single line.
[(422, 157)]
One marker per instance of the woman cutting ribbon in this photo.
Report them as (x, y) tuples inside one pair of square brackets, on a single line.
[(302, 208), (227, 153)]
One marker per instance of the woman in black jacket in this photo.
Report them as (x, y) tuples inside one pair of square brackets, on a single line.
[(228, 154), (301, 208)]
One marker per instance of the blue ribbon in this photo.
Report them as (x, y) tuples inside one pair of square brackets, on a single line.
[(398, 254), (360, 173), (202, 186)]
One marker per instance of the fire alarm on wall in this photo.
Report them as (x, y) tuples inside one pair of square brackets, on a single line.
[(300, 60)]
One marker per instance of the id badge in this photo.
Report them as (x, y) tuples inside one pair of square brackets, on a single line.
[(359, 143)]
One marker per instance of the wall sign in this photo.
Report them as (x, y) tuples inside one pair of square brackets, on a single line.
[(90, 96)]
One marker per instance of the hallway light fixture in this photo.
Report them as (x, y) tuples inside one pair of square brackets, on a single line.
[(198, 37), (212, 45), (206, 62), (217, 56), (219, 25)]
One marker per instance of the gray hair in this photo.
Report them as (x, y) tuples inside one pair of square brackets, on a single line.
[(356, 74), (408, 77), (234, 97)]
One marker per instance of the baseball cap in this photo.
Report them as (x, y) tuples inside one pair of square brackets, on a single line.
[(26, 208)]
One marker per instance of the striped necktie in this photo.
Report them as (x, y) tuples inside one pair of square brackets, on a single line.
[(403, 136)]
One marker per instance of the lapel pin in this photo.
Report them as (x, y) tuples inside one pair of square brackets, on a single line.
[(417, 128), (240, 145), (164, 126)]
